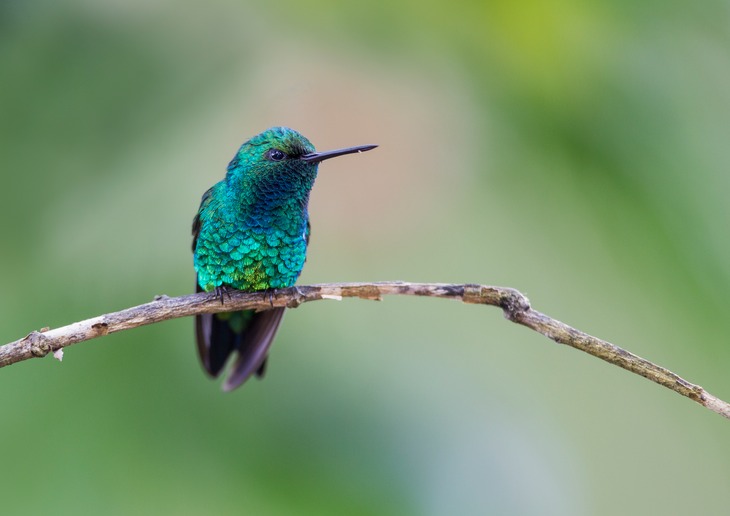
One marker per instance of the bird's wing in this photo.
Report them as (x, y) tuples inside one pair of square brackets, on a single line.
[(204, 322), (207, 196)]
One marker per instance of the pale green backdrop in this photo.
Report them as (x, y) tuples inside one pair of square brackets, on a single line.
[(577, 151)]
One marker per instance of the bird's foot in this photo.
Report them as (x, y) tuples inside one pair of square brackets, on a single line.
[(221, 291), (269, 294)]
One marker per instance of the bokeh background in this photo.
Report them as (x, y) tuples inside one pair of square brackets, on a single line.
[(577, 151)]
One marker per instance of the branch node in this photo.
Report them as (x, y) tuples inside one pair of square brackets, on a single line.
[(297, 297), (39, 345), (514, 304), (101, 328)]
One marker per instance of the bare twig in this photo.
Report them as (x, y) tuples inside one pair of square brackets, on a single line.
[(515, 305)]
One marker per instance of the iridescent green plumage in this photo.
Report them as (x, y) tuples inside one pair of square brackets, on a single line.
[(251, 233)]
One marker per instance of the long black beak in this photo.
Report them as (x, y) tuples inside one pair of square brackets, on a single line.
[(316, 157)]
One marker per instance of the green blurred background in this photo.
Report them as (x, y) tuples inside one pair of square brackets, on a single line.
[(577, 151)]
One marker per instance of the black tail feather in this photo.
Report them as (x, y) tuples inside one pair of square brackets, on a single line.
[(254, 347), (249, 333), (216, 341)]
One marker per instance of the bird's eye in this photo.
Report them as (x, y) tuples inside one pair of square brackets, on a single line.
[(275, 155)]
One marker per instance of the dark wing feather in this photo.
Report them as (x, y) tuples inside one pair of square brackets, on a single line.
[(216, 341), (196, 220), (208, 327), (253, 349)]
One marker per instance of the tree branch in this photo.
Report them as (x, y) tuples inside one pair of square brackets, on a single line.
[(515, 305)]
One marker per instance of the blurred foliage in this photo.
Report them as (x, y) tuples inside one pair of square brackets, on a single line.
[(574, 150)]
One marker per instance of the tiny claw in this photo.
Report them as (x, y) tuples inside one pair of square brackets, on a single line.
[(220, 292), (270, 293)]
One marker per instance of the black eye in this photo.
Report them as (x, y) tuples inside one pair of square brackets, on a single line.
[(274, 155)]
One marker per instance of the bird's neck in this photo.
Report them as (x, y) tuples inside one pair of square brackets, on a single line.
[(287, 191)]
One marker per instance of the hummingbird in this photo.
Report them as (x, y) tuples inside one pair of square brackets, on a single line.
[(251, 234)]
